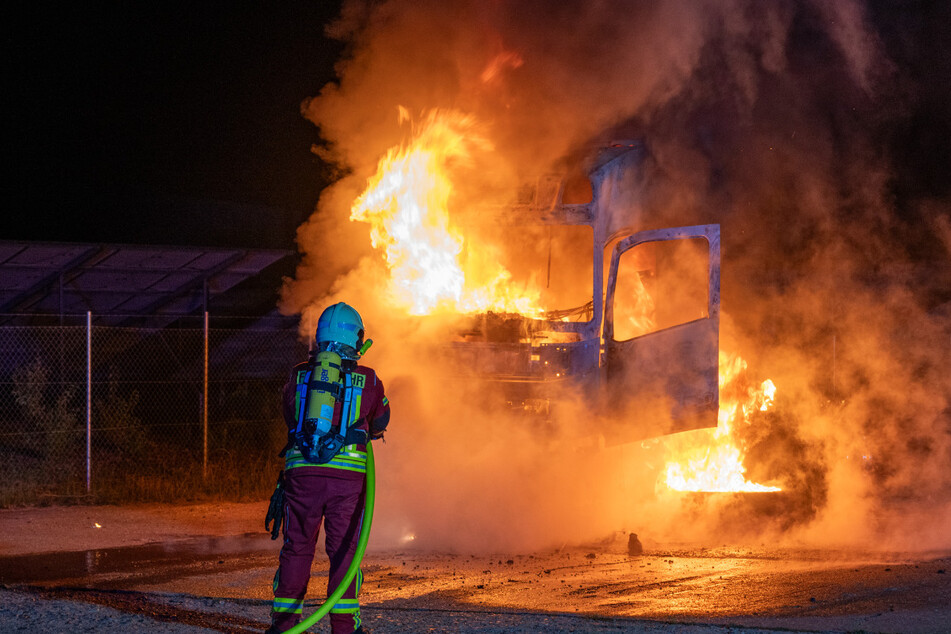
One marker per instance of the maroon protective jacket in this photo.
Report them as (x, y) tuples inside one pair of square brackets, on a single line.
[(331, 495)]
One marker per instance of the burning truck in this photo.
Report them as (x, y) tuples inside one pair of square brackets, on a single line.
[(631, 320), (563, 292), (567, 297)]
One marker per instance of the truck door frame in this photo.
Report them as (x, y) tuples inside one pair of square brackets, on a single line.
[(699, 400)]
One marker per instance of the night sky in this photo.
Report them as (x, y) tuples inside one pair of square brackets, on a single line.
[(165, 123), (180, 123)]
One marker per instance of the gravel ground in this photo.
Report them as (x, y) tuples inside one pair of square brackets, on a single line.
[(29, 611), (165, 582)]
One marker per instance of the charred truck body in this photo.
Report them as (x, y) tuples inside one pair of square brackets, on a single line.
[(636, 339)]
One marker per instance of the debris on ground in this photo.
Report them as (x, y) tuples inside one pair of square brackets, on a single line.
[(634, 547)]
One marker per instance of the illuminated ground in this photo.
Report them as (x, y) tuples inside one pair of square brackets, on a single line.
[(109, 577)]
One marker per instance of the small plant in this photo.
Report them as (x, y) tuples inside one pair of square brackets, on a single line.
[(50, 415), (116, 423)]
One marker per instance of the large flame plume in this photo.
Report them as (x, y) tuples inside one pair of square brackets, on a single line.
[(407, 204), (713, 461)]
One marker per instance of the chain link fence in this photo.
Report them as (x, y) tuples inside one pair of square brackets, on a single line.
[(119, 409)]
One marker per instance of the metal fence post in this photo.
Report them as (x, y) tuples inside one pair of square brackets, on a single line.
[(204, 404), (88, 401)]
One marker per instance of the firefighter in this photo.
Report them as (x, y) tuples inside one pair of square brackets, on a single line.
[(325, 469)]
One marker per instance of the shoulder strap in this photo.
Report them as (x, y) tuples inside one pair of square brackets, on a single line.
[(350, 415), (345, 414), (302, 398)]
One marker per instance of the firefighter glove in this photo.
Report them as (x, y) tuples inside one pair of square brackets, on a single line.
[(275, 511)]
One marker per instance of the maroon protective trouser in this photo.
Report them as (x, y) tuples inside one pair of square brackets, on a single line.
[(310, 498)]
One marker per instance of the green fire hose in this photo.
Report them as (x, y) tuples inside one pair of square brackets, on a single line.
[(357, 555)]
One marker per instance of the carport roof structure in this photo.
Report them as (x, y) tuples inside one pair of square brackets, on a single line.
[(69, 278)]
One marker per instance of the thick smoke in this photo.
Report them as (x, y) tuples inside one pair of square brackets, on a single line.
[(772, 119)]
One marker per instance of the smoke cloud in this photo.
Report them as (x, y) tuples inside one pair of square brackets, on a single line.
[(775, 120)]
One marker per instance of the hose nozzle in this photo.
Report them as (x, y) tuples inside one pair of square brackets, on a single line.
[(366, 346)]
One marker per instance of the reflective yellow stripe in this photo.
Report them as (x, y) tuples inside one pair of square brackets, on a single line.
[(349, 459), (284, 604), (352, 463), (329, 465), (346, 466), (349, 451), (351, 606)]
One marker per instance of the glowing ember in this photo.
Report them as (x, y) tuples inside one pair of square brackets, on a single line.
[(407, 205), (713, 462)]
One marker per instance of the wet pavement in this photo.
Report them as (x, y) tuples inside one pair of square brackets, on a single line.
[(230, 579), (133, 565)]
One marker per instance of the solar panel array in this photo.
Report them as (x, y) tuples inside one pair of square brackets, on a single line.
[(68, 278)]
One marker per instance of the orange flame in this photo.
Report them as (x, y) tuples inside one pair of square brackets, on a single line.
[(634, 309), (502, 61), (714, 462), (407, 205), (634, 313)]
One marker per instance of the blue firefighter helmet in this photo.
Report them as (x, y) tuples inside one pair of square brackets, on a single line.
[(340, 329)]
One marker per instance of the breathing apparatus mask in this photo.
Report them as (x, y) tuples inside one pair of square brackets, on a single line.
[(345, 352)]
